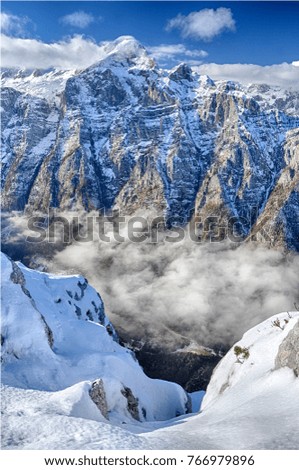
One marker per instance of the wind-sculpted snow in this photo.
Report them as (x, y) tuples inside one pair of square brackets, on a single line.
[(55, 335), (124, 134)]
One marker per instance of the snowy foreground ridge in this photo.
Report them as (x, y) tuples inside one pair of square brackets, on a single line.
[(63, 370)]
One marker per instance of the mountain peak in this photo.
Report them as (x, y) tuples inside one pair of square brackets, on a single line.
[(181, 72), (129, 49)]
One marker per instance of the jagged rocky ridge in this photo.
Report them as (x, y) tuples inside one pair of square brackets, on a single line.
[(55, 336), (124, 134)]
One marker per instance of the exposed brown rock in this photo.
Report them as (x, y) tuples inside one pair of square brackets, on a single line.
[(288, 353), (98, 395)]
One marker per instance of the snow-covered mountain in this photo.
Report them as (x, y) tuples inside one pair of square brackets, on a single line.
[(55, 335), (63, 369), (124, 134)]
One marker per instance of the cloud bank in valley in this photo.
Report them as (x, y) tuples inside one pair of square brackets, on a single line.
[(211, 293)]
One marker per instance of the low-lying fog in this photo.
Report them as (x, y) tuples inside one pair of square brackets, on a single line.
[(211, 293)]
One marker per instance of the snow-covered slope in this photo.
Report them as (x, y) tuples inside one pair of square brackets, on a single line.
[(124, 134), (30, 418), (252, 359), (47, 84), (251, 402), (54, 335)]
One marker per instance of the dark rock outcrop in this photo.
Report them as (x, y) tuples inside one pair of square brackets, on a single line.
[(98, 395), (288, 353), (132, 403)]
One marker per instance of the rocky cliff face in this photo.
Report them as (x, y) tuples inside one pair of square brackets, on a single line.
[(124, 134)]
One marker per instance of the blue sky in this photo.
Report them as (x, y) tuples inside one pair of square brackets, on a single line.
[(242, 41), (265, 32)]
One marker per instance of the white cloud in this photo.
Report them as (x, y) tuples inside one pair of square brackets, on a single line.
[(79, 52), (192, 62), (173, 51), (296, 63), (155, 287), (285, 75), (196, 53), (76, 52), (78, 19), (214, 291), (13, 25), (203, 24)]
